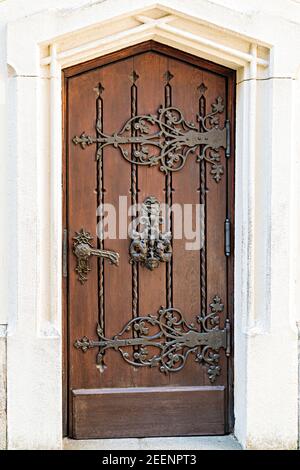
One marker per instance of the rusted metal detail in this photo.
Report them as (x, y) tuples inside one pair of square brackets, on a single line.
[(168, 180), (134, 76), (203, 272), (202, 88), (228, 141), (100, 201), (134, 194), (83, 250), (168, 76), (149, 246), (172, 339), (227, 237), (169, 132)]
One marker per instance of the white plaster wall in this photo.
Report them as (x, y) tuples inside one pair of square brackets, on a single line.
[(267, 211), (3, 414)]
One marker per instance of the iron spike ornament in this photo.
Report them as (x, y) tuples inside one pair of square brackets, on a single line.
[(172, 337), (149, 247), (166, 139)]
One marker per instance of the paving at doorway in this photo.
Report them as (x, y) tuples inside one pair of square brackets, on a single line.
[(156, 443)]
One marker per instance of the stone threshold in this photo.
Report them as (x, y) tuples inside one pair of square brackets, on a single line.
[(156, 443)]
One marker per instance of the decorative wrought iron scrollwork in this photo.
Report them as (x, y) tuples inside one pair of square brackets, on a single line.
[(172, 336), (150, 247), (166, 139), (83, 249)]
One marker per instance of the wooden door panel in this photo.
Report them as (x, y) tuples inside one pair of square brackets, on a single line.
[(112, 391), (109, 413)]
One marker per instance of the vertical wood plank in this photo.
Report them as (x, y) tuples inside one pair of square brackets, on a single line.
[(186, 263), (151, 182), (82, 214), (117, 181)]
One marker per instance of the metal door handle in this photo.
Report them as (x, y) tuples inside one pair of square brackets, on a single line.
[(83, 249)]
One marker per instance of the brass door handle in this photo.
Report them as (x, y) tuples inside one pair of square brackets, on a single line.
[(83, 249)]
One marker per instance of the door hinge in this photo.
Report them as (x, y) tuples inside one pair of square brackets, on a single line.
[(65, 253), (227, 150), (170, 333), (227, 237)]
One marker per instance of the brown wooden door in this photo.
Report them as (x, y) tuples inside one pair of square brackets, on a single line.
[(148, 340)]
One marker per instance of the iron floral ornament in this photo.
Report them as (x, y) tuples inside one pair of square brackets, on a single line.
[(173, 338), (167, 139)]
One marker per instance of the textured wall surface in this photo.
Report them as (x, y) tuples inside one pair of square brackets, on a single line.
[(3, 423)]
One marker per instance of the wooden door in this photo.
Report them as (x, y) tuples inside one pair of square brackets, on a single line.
[(147, 318)]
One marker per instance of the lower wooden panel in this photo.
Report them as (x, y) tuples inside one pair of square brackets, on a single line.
[(152, 411)]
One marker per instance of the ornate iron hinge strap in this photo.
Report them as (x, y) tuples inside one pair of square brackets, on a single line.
[(83, 250), (149, 246), (172, 336), (167, 139)]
